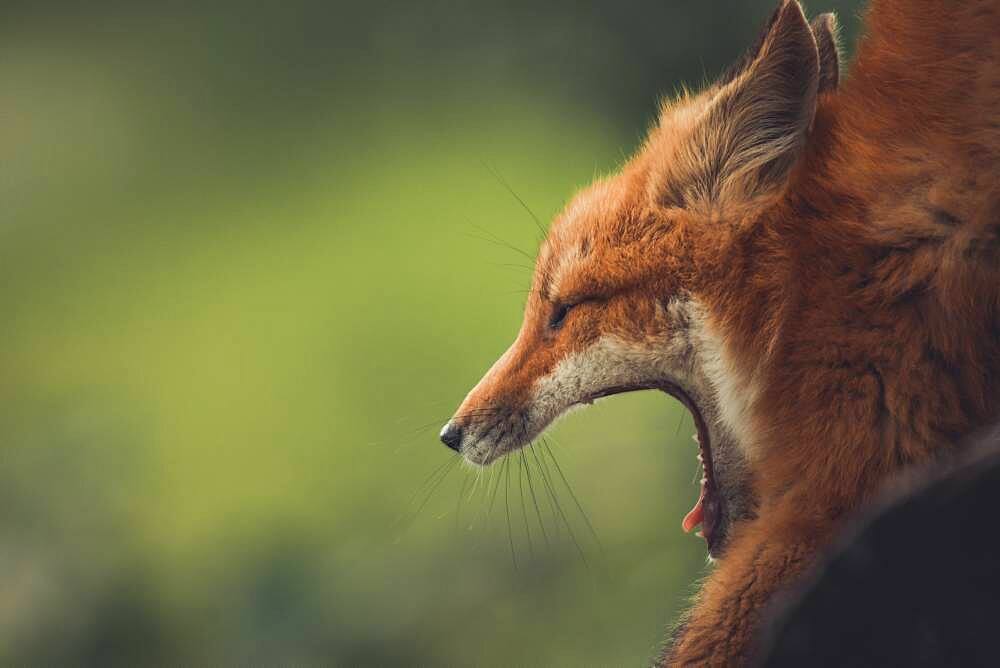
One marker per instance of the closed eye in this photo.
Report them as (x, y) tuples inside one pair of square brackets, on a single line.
[(559, 313)]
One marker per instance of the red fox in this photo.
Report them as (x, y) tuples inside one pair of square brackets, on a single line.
[(812, 267)]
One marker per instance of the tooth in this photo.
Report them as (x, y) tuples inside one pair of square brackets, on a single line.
[(699, 534), (704, 480), (694, 437)]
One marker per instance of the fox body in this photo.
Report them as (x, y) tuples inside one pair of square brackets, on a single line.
[(811, 266)]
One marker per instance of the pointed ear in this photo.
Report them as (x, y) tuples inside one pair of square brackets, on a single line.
[(827, 33), (752, 131)]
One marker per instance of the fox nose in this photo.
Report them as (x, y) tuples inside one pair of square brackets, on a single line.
[(451, 435)]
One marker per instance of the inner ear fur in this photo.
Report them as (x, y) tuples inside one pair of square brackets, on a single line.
[(752, 131)]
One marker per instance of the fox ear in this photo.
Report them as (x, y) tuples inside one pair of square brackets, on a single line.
[(751, 132), (827, 33)]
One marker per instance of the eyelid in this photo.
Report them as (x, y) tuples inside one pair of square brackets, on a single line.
[(559, 312)]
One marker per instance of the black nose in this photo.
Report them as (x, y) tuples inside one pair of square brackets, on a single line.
[(451, 435)]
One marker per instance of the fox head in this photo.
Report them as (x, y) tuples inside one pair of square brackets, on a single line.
[(623, 282)]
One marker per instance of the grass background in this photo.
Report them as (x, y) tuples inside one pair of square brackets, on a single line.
[(246, 272)]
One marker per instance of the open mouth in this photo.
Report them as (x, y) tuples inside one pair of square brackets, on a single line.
[(707, 511)]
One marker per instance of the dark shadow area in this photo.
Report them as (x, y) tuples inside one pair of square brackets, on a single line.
[(917, 584)]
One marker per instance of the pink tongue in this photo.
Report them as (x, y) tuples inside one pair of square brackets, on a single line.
[(693, 518)]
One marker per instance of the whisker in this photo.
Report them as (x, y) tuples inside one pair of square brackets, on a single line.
[(524, 507), (489, 482), (503, 182), (534, 499), (576, 501), (496, 486), (475, 484), (434, 480), (496, 241), (479, 412), (506, 499), (562, 514), (458, 504), (512, 265), (548, 489), (401, 444), (423, 406), (450, 462), (410, 437), (435, 487)]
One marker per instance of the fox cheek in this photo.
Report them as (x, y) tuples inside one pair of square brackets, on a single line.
[(608, 363)]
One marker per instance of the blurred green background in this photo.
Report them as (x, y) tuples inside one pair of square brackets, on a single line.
[(253, 256)]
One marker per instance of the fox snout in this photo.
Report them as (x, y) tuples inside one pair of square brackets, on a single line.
[(493, 417), (482, 435)]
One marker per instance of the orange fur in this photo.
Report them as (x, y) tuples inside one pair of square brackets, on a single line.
[(845, 245), (873, 290)]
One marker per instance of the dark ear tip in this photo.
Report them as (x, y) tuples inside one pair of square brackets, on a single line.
[(791, 35), (791, 20), (793, 8)]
